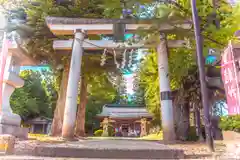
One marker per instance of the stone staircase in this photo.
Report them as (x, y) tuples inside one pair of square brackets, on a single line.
[(108, 149)]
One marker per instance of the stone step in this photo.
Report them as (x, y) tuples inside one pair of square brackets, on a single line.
[(109, 149), (49, 158), (107, 153)]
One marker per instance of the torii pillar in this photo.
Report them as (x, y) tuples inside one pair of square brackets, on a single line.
[(72, 87), (165, 91)]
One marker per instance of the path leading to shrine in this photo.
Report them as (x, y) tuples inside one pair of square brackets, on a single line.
[(106, 149), (117, 149)]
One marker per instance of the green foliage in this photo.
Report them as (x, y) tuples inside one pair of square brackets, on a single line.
[(150, 82), (230, 123), (98, 133), (34, 31), (100, 92), (100, 88), (180, 60), (192, 135), (182, 68), (36, 98), (38, 42)]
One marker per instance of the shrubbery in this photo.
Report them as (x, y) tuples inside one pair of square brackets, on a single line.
[(230, 123), (192, 135), (98, 133)]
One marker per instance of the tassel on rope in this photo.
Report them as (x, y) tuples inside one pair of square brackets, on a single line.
[(124, 59), (115, 59), (130, 58), (103, 58)]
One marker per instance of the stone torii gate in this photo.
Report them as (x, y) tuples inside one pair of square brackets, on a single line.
[(9, 121), (80, 27)]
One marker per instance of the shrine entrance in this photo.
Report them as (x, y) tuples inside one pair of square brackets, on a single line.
[(116, 48), (126, 120), (125, 129)]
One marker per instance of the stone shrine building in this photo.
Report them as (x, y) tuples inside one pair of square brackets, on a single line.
[(39, 125), (127, 120)]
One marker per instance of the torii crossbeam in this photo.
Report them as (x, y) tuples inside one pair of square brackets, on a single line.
[(68, 26), (109, 44)]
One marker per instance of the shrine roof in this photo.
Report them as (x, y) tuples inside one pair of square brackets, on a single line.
[(67, 26), (123, 106), (39, 120), (124, 111)]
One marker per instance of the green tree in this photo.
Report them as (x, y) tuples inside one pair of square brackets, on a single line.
[(40, 44), (100, 92), (182, 61), (33, 99)]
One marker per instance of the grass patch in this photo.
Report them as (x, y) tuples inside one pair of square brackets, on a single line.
[(45, 138), (111, 138), (153, 137), (150, 137), (3, 147)]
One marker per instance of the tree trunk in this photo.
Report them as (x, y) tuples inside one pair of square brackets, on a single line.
[(182, 120), (80, 122), (198, 124), (56, 129)]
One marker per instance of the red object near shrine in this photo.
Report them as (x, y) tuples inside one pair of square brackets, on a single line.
[(230, 71), (3, 59)]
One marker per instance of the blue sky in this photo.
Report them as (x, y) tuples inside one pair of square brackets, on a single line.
[(35, 68)]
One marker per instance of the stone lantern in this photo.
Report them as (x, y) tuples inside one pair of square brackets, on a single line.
[(144, 127)]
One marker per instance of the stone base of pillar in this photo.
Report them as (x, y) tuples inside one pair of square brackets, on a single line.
[(10, 124), (16, 131)]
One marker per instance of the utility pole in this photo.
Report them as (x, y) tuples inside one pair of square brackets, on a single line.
[(202, 76)]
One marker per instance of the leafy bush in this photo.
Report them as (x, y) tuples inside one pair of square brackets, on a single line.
[(98, 133), (37, 97), (155, 129), (230, 123)]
